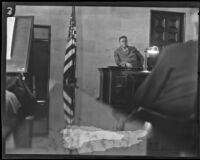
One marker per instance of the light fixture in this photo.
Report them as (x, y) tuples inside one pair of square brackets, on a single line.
[(149, 51)]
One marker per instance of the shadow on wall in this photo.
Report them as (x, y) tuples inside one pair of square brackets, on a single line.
[(56, 111)]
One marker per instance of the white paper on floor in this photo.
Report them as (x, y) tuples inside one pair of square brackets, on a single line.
[(85, 139)]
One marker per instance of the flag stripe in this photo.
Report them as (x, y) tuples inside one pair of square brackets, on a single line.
[(70, 52), (69, 59), (68, 73), (68, 110), (72, 46), (67, 119), (67, 104), (69, 43), (67, 66), (68, 115), (67, 97)]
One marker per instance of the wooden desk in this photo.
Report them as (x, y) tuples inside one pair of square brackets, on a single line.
[(118, 85)]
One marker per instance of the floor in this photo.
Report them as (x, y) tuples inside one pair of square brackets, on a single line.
[(91, 115), (52, 144)]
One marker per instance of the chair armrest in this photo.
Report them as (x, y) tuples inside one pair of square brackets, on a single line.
[(9, 123), (23, 134), (154, 113)]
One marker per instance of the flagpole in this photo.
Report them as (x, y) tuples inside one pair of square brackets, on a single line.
[(74, 62), (69, 72)]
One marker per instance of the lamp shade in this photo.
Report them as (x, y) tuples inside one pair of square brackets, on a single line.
[(153, 50)]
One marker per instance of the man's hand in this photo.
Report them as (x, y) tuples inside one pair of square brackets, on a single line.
[(121, 119), (123, 64), (128, 65), (120, 124)]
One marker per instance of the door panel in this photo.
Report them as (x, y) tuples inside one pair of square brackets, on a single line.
[(173, 30), (166, 28), (41, 57), (40, 60), (40, 68)]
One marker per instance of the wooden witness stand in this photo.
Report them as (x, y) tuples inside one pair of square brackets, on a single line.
[(118, 85)]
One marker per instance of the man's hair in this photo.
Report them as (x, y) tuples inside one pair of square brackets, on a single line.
[(122, 37), (193, 11)]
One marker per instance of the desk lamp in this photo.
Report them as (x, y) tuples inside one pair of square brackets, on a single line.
[(150, 51)]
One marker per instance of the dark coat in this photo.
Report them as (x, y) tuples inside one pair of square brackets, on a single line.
[(17, 86), (171, 88)]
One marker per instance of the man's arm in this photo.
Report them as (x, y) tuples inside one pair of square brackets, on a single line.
[(117, 60)]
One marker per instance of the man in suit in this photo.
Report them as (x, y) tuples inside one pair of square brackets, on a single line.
[(127, 56)]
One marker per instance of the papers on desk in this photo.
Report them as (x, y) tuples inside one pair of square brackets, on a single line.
[(146, 71), (85, 139)]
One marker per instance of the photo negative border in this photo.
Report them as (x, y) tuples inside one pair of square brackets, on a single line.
[(8, 9)]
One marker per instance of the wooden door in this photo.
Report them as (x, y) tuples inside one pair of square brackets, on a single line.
[(40, 60), (40, 69), (166, 28)]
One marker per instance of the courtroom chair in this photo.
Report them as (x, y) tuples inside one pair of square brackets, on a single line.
[(20, 127), (170, 135), (23, 132)]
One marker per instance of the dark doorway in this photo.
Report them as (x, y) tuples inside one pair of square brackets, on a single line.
[(40, 69)]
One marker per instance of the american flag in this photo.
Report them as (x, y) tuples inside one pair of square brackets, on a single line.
[(69, 72)]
